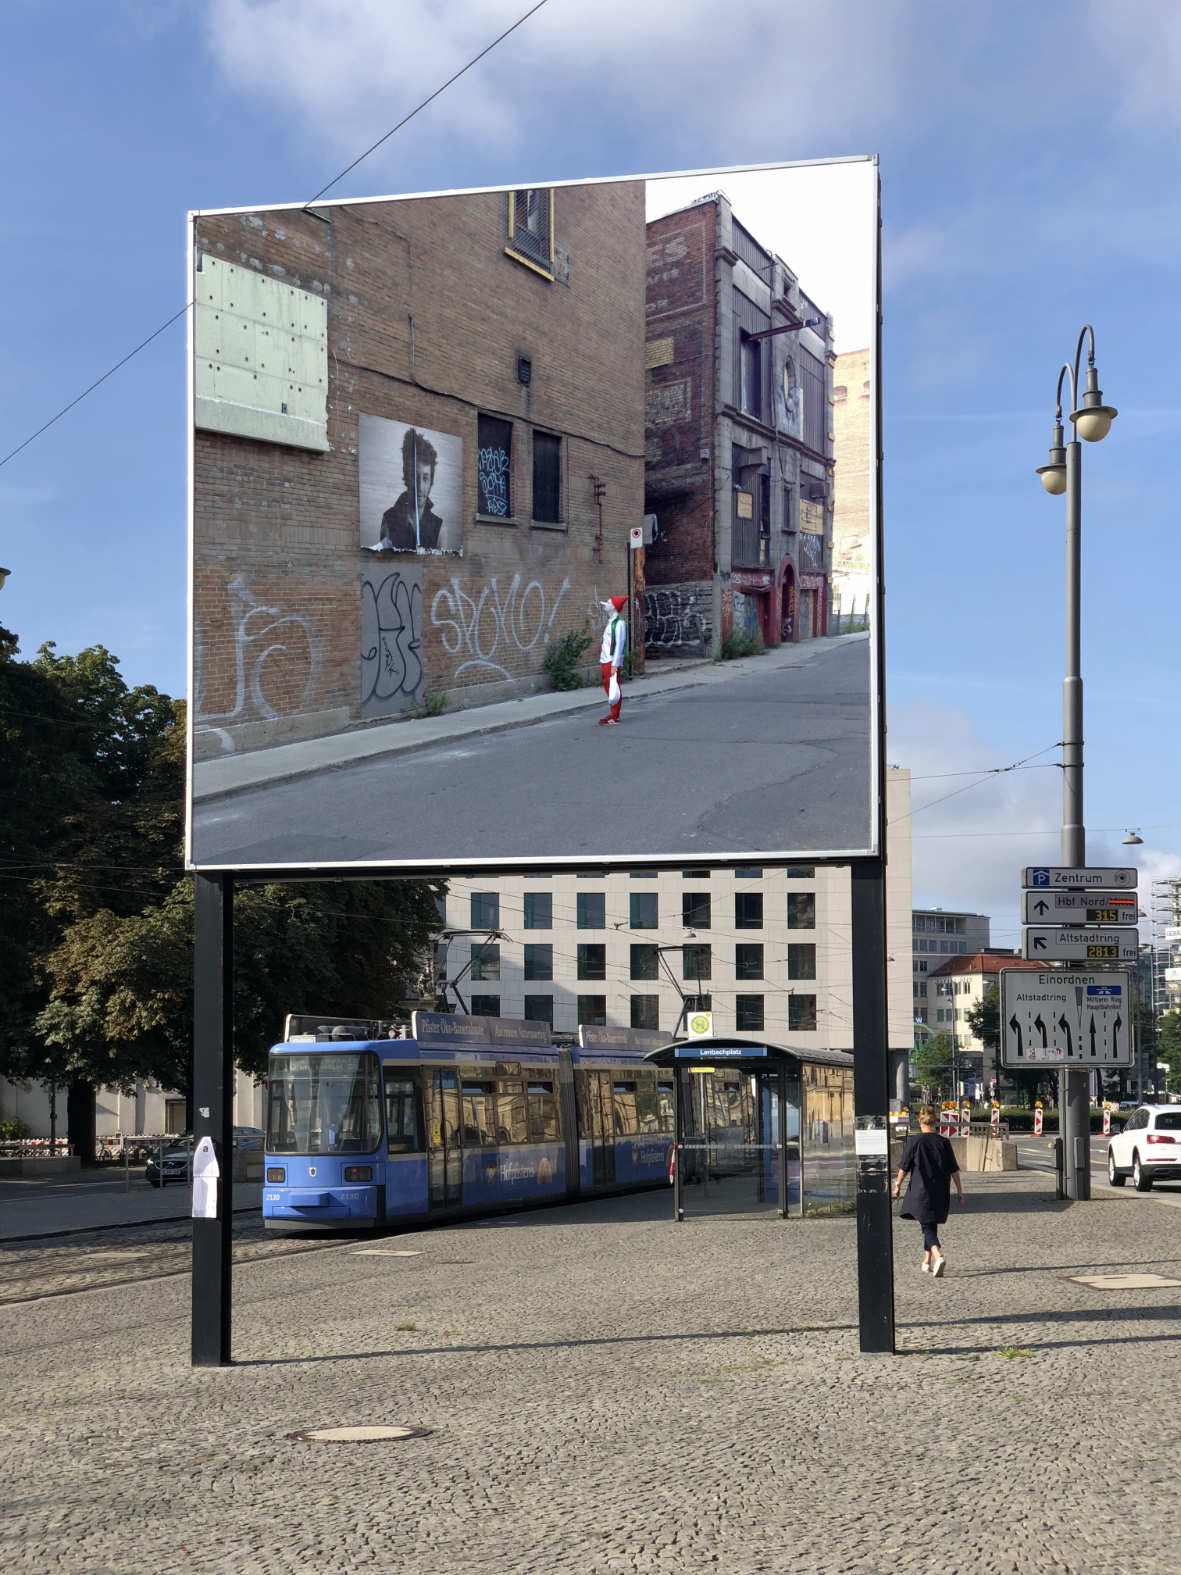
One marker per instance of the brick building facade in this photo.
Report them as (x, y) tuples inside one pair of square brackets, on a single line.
[(738, 438), (418, 450)]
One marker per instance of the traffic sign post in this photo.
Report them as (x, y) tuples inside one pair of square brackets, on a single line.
[(1082, 943), (1066, 1017)]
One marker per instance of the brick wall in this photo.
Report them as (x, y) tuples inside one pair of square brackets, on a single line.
[(679, 408), (427, 318)]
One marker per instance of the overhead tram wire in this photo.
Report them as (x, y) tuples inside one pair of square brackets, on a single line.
[(110, 372)]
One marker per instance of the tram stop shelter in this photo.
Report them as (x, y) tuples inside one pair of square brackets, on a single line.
[(760, 1126)]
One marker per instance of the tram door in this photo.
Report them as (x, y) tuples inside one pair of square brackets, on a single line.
[(601, 1108), (445, 1155)]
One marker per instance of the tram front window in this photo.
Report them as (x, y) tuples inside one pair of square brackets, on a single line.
[(323, 1103)]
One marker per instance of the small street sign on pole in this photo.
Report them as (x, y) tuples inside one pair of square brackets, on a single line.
[(1083, 876), (1059, 943), (1056, 905)]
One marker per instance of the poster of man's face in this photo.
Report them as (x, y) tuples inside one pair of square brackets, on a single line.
[(410, 481)]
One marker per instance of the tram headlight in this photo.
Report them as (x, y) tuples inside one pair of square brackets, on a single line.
[(358, 1172), (276, 1173)]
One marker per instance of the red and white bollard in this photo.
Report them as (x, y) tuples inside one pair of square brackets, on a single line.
[(1106, 1119), (1037, 1119), (995, 1117), (965, 1119)]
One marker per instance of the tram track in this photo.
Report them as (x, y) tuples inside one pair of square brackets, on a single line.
[(98, 1258)]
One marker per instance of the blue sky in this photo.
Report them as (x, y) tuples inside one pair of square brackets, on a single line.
[(1029, 172)]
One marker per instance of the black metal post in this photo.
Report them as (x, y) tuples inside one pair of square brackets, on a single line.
[(871, 1099), (782, 1094), (213, 1111), (678, 1144)]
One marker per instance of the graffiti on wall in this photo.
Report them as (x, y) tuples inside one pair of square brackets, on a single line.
[(391, 639), (485, 627), (277, 659), (676, 616)]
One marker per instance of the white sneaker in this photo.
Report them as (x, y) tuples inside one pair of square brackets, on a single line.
[(926, 1267), (937, 1271)]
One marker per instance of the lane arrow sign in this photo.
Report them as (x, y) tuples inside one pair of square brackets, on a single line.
[(1039, 1024), (1041, 906), (1039, 943), (1065, 1027), (1016, 1027)]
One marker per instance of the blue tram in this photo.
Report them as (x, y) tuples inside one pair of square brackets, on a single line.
[(466, 1115)]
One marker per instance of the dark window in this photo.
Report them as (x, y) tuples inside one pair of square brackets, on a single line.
[(531, 223), (644, 910), (699, 1003), (748, 872), (748, 960), (547, 478), (403, 1125), (748, 910), (485, 1006), (486, 963), (801, 961), (645, 1011), (539, 1008), (751, 394), (695, 910), (695, 962), (812, 389), (485, 909), (694, 874), (801, 1012), (801, 872), (592, 1010), (592, 960), (748, 1013), (539, 910), (539, 960), (801, 910), (644, 961), (592, 910), (494, 467)]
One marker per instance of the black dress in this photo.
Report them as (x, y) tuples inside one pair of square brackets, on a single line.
[(930, 1161)]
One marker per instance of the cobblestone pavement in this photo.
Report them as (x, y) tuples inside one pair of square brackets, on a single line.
[(607, 1392)]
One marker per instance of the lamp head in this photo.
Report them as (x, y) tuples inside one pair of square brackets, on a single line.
[(1092, 421), (1054, 474)]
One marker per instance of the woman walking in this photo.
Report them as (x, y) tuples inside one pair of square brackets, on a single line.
[(929, 1160)]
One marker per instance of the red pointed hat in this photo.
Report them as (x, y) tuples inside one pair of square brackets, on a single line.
[(619, 603)]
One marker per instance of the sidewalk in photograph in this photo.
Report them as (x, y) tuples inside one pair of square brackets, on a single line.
[(602, 1390)]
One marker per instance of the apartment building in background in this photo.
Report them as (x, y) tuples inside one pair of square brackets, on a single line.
[(738, 439), (936, 935), (767, 950)]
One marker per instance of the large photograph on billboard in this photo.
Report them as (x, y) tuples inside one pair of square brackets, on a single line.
[(537, 525)]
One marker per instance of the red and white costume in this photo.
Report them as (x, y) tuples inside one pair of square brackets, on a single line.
[(611, 651)]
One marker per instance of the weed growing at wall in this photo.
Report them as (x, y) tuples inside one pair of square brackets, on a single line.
[(563, 658), (742, 642)]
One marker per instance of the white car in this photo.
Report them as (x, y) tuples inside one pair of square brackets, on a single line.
[(1148, 1149)]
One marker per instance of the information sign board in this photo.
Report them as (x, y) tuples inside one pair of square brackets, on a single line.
[(1057, 943), (1061, 906), (1066, 1016), (1078, 875)]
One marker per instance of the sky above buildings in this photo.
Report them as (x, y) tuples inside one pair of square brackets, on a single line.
[(1028, 159)]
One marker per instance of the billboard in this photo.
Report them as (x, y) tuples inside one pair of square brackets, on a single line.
[(511, 525)]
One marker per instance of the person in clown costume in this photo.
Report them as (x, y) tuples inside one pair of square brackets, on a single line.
[(611, 657)]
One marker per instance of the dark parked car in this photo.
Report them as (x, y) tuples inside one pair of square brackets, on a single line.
[(178, 1155)]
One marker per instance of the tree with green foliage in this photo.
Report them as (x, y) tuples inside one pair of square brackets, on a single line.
[(934, 1063), (97, 939)]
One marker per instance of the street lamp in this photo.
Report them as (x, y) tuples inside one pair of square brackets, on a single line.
[(1092, 421)]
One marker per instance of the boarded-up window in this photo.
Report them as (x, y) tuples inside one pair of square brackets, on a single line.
[(494, 467), (547, 478)]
